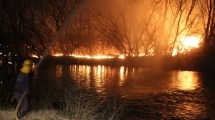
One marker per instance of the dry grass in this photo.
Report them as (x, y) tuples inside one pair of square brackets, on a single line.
[(45, 114), (67, 104), (85, 105), (72, 105)]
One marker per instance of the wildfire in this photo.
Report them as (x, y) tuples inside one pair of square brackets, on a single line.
[(89, 57), (121, 57), (187, 43), (58, 54), (92, 57), (191, 41)]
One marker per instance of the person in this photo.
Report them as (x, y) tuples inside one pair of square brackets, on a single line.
[(22, 86)]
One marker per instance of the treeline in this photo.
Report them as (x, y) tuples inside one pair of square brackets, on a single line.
[(129, 28), (27, 26)]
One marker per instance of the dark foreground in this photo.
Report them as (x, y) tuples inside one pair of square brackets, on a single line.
[(143, 93), (172, 105), (125, 87)]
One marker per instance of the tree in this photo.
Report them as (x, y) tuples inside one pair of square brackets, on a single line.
[(33, 24), (207, 8), (78, 34), (118, 32), (171, 19)]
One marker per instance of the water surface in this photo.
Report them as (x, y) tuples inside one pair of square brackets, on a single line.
[(144, 93)]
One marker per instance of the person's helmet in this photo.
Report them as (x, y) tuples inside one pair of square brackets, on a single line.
[(25, 69), (27, 62)]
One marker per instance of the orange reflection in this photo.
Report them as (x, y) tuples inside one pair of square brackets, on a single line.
[(88, 74), (189, 110), (99, 75), (186, 80), (85, 70), (58, 71), (122, 74)]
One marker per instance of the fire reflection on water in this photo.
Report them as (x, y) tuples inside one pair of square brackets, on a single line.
[(58, 71), (182, 88), (99, 74), (189, 110), (185, 80), (101, 77), (122, 73), (82, 74)]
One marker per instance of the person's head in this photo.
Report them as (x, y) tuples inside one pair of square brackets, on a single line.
[(26, 69), (27, 63)]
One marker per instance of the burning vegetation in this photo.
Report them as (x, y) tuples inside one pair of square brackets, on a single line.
[(140, 28), (106, 29)]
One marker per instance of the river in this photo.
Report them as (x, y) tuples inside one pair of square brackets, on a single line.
[(145, 93)]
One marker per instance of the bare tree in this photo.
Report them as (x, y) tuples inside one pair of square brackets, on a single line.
[(118, 32), (208, 15), (79, 34), (34, 23), (177, 18)]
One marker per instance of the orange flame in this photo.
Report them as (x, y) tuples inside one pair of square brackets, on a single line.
[(89, 57)]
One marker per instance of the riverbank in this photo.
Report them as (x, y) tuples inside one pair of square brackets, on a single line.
[(42, 114), (65, 102), (67, 107)]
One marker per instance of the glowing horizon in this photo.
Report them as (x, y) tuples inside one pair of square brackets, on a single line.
[(88, 56)]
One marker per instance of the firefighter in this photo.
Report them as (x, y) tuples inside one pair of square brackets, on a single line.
[(22, 87)]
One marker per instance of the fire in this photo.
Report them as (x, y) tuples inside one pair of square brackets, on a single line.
[(58, 54), (88, 56), (191, 41), (184, 44), (187, 43), (92, 57), (121, 57)]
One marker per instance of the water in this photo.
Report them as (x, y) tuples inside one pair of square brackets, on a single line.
[(144, 93)]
